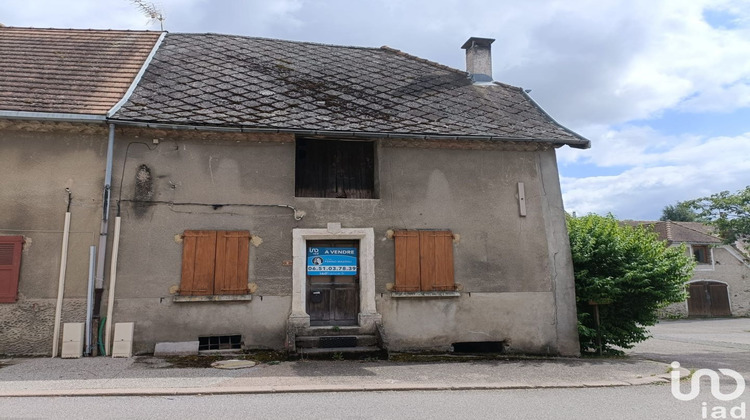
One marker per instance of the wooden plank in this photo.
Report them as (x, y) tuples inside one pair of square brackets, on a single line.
[(436, 260), (719, 299), (407, 261), (334, 168), (698, 302), (345, 301), (231, 262), (198, 262), (443, 261), (10, 267), (427, 262)]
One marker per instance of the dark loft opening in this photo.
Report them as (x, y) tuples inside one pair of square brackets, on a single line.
[(335, 169)]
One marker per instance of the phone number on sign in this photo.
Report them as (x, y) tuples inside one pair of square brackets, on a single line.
[(331, 268)]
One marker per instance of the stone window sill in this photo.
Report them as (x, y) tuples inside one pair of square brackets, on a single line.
[(212, 298), (445, 294)]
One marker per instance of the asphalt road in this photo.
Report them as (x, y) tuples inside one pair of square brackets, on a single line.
[(700, 344), (635, 402)]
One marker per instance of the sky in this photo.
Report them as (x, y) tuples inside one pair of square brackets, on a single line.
[(660, 87)]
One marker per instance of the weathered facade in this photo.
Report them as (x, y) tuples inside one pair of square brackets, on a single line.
[(721, 279), (228, 172)]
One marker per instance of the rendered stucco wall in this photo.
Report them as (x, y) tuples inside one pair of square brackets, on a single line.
[(514, 272), (37, 163), (504, 263)]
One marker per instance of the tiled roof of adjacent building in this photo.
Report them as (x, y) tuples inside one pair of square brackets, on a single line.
[(255, 83), (69, 70), (688, 232)]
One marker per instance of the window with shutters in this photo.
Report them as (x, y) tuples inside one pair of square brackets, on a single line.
[(10, 267), (335, 168), (424, 260), (214, 262)]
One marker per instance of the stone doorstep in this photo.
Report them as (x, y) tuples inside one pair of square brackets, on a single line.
[(342, 350), (333, 331), (313, 341)]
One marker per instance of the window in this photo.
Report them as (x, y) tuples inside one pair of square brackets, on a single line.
[(335, 169), (214, 262), (10, 267), (701, 254), (424, 260)]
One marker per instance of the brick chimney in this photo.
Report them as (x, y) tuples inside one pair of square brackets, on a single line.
[(479, 58)]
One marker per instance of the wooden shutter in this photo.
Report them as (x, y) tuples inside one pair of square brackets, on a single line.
[(198, 262), (407, 261), (10, 267), (231, 262), (436, 260)]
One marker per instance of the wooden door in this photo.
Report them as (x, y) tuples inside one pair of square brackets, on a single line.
[(708, 299), (333, 299)]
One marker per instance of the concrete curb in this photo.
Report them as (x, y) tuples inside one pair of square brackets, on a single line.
[(218, 390)]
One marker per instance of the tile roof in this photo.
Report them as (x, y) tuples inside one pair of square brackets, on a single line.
[(257, 83), (688, 232), (69, 70)]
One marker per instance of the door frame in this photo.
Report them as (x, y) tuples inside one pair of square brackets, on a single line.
[(368, 316)]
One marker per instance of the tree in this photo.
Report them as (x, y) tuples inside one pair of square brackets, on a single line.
[(680, 212), (629, 272), (729, 213)]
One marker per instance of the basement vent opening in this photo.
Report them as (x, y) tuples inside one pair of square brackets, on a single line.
[(220, 342), (479, 347)]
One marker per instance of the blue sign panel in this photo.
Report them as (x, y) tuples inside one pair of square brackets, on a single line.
[(331, 261)]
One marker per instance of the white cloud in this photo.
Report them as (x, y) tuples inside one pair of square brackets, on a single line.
[(680, 168), (602, 68)]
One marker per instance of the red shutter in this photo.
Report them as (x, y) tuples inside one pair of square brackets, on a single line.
[(231, 262), (10, 267), (436, 260), (407, 261), (198, 262)]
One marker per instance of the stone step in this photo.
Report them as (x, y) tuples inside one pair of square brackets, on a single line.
[(335, 331), (320, 341), (342, 350)]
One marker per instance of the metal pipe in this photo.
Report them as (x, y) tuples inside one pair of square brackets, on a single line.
[(61, 284), (112, 281), (105, 209), (90, 299)]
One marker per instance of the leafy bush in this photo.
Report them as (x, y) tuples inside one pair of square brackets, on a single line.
[(629, 272)]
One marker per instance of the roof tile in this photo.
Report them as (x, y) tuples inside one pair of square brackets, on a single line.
[(69, 70), (326, 87)]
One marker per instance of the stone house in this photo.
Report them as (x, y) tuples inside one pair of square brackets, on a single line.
[(721, 279), (278, 194)]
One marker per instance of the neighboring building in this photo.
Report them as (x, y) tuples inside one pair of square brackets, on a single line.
[(270, 190), (721, 280), (56, 88)]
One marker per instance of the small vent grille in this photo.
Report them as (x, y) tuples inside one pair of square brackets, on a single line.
[(6, 253), (220, 342), (330, 342)]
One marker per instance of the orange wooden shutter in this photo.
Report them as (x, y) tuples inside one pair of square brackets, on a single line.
[(436, 260), (407, 260), (198, 262), (10, 267), (231, 262)]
